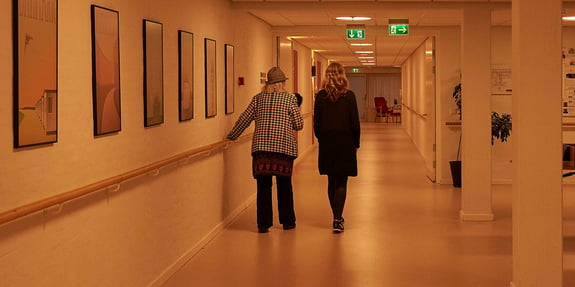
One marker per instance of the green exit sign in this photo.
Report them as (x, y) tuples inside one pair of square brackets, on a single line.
[(355, 70), (355, 34), (398, 29)]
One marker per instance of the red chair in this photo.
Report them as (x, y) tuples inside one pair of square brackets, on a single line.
[(381, 109)]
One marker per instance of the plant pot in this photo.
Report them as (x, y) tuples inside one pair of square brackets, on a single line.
[(455, 172)]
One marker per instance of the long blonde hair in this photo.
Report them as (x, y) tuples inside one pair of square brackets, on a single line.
[(335, 82), (275, 87)]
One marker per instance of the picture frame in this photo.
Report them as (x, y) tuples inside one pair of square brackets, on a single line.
[(106, 93), (210, 77), (153, 73), (35, 48), (229, 75), (186, 75)]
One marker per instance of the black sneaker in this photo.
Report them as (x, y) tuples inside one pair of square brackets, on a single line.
[(338, 225)]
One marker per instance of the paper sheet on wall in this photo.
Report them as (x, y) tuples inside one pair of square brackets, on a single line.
[(568, 107), (501, 81)]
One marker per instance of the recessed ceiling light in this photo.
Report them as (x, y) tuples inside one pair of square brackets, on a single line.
[(569, 18), (369, 57), (361, 44), (364, 52), (352, 18)]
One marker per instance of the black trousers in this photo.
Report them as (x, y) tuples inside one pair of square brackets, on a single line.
[(264, 200), (337, 191)]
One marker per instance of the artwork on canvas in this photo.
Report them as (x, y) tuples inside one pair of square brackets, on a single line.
[(106, 71), (186, 75), (153, 73), (230, 87), (35, 72), (210, 77)]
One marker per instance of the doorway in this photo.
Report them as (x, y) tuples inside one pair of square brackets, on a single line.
[(358, 85)]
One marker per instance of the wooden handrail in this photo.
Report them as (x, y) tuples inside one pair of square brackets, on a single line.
[(415, 112), (34, 207), (458, 123), (453, 123)]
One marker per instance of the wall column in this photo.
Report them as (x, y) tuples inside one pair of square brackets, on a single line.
[(476, 114), (537, 181)]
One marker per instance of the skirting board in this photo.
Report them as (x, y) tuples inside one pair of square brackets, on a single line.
[(501, 181), (493, 181), (476, 216), (176, 266)]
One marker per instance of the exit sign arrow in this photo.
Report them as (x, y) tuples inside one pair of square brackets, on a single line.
[(398, 29), (355, 34)]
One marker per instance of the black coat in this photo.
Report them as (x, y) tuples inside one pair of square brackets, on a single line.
[(336, 127)]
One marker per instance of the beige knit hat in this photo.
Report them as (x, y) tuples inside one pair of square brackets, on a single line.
[(275, 75)]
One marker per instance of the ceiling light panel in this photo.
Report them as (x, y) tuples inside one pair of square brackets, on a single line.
[(353, 18)]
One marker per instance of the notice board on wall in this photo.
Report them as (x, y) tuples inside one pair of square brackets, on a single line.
[(568, 104), (501, 80)]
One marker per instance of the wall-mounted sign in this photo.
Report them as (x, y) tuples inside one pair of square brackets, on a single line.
[(398, 29), (355, 34), (355, 70)]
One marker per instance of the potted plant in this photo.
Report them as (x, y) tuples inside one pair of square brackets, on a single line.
[(500, 129), (455, 165)]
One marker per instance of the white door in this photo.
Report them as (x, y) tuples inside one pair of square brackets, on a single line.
[(357, 84), (429, 152)]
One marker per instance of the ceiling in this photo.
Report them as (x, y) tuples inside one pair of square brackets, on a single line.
[(312, 23)]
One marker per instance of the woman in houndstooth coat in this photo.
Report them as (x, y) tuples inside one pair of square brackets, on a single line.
[(276, 115)]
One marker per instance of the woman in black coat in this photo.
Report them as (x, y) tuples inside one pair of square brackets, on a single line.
[(336, 126)]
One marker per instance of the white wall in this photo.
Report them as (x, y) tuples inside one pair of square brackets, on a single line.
[(305, 88), (569, 131), (140, 234), (414, 98), (501, 153), (448, 75)]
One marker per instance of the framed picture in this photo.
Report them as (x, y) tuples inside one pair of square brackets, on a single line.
[(153, 73), (210, 74), (186, 75), (106, 71), (35, 48), (230, 87)]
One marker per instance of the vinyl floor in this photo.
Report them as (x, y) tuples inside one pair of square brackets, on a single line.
[(402, 230)]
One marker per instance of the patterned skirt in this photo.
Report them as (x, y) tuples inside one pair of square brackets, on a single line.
[(271, 163)]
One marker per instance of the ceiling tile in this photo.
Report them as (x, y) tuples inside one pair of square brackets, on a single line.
[(315, 25), (348, 1), (272, 18), (292, 1)]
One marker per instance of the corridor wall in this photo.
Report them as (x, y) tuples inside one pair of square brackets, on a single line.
[(448, 75), (305, 88), (139, 233)]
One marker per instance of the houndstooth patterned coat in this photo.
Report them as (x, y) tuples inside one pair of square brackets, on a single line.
[(276, 117)]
